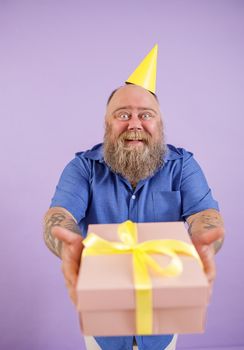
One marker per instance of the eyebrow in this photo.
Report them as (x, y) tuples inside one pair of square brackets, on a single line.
[(139, 108)]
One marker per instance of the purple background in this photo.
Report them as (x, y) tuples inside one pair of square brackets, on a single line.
[(59, 60)]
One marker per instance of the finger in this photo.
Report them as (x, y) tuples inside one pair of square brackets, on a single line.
[(69, 284), (71, 254), (210, 290), (69, 275), (71, 279), (210, 271), (73, 296), (70, 272), (65, 235), (71, 291), (207, 256)]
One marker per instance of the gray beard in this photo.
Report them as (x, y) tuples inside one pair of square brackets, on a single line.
[(133, 163)]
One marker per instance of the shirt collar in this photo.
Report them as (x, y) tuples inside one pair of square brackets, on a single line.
[(172, 153), (96, 153)]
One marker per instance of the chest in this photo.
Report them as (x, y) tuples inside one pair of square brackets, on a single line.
[(112, 198)]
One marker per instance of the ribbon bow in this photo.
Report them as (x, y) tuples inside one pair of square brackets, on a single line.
[(142, 262)]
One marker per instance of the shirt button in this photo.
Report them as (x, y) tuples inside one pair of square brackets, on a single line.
[(133, 196)]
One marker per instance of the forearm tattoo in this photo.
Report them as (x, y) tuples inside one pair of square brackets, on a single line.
[(206, 222), (62, 220), (210, 222)]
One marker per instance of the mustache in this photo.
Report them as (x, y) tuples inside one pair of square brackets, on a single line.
[(135, 135)]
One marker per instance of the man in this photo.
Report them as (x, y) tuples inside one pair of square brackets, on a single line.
[(138, 179), (134, 176)]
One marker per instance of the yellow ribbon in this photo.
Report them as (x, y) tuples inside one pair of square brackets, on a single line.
[(142, 262)]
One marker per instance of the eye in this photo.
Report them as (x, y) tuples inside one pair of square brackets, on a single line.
[(123, 116), (146, 116)]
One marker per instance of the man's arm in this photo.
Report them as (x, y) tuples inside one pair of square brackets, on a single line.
[(63, 237), (58, 217), (205, 221), (206, 229)]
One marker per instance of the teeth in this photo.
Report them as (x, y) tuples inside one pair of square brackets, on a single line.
[(134, 139)]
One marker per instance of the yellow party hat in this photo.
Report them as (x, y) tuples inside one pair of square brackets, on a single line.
[(145, 74)]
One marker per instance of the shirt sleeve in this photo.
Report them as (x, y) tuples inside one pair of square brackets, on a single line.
[(72, 191), (195, 192)]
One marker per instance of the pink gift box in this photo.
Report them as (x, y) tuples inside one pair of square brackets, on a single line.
[(106, 292)]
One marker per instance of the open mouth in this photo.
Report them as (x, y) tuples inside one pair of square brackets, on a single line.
[(134, 141), (134, 138), (134, 145)]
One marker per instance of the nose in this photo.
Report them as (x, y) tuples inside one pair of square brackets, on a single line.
[(134, 123)]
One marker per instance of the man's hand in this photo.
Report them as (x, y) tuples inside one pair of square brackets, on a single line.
[(71, 250), (203, 244), (207, 233), (63, 237)]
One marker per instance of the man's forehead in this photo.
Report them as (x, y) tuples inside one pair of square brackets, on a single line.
[(133, 96), (131, 108)]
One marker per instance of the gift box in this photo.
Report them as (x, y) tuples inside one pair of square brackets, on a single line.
[(149, 281)]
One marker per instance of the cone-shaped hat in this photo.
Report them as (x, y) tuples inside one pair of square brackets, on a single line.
[(145, 74)]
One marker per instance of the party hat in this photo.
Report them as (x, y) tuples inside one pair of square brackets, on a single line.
[(145, 74)]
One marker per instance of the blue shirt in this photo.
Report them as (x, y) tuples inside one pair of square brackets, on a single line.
[(94, 194)]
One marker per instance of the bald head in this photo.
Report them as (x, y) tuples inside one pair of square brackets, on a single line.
[(115, 90), (132, 96)]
